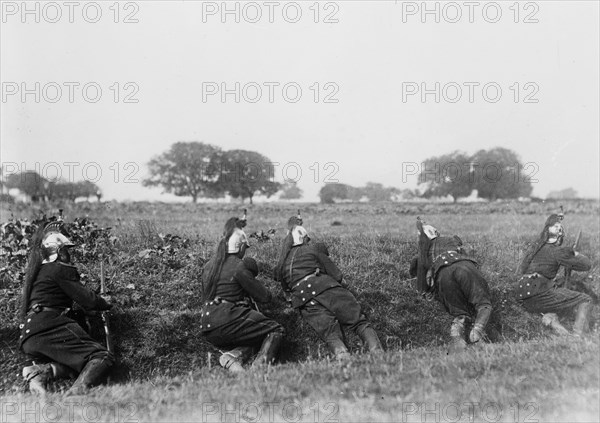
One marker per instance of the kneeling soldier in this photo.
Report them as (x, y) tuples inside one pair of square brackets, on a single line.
[(314, 282), (56, 345), (536, 289), (230, 319), (442, 268)]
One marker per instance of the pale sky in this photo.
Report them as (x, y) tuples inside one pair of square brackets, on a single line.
[(371, 57)]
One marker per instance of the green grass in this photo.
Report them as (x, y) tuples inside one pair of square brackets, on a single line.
[(165, 369), (546, 380)]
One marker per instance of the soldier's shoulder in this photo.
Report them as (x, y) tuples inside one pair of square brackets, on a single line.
[(67, 265), (67, 271)]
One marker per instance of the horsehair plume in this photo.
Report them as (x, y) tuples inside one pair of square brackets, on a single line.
[(242, 221), (230, 225), (34, 262), (423, 261), (55, 226), (215, 264), (536, 246)]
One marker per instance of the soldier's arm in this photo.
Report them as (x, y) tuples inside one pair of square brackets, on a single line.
[(68, 280), (330, 268), (251, 285), (578, 262)]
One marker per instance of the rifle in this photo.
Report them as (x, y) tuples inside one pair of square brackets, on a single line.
[(569, 269), (104, 314)]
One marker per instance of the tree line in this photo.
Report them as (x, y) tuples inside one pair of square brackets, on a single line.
[(201, 170), (39, 188)]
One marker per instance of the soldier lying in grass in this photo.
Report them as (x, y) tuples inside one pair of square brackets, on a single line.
[(55, 344), (538, 291), (444, 270), (230, 320), (313, 281)]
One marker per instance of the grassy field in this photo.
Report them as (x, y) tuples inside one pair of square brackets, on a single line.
[(168, 372)]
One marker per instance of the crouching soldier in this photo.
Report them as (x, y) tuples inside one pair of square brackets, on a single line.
[(443, 269), (536, 288), (313, 281), (56, 345), (230, 320)]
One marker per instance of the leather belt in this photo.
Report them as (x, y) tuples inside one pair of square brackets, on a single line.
[(448, 253), (37, 308), (219, 300), (304, 279), (530, 276)]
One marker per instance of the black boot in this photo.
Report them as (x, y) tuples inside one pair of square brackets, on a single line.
[(369, 337), (233, 360), (60, 371), (90, 375), (581, 324), (551, 320), (457, 335), (338, 348), (37, 376), (268, 349)]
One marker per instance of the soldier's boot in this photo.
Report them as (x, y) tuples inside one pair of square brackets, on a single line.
[(339, 349), (551, 320), (457, 335), (233, 360), (370, 338), (581, 324), (268, 349), (93, 371), (60, 371), (37, 376)]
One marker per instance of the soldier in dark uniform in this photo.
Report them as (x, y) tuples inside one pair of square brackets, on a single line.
[(538, 291), (230, 319), (443, 269), (56, 345), (313, 282)]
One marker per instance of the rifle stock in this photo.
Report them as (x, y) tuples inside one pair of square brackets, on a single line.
[(568, 270), (104, 314)]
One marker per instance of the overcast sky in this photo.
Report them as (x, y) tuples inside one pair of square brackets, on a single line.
[(365, 60)]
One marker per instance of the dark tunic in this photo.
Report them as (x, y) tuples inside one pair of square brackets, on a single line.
[(52, 335), (228, 320), (309, 273), (461, 287), (537, 289), (314, 281)]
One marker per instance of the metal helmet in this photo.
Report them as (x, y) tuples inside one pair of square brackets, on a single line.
[(556, 234), (430, 232), (53, 240), (299, 235), (235, 241)]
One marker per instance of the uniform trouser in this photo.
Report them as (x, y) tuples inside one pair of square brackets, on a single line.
[(248, 330), (67, 344), (462, 289), (331, 310), (555, 300)]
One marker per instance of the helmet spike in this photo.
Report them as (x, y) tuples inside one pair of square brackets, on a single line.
[(561, 215)]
